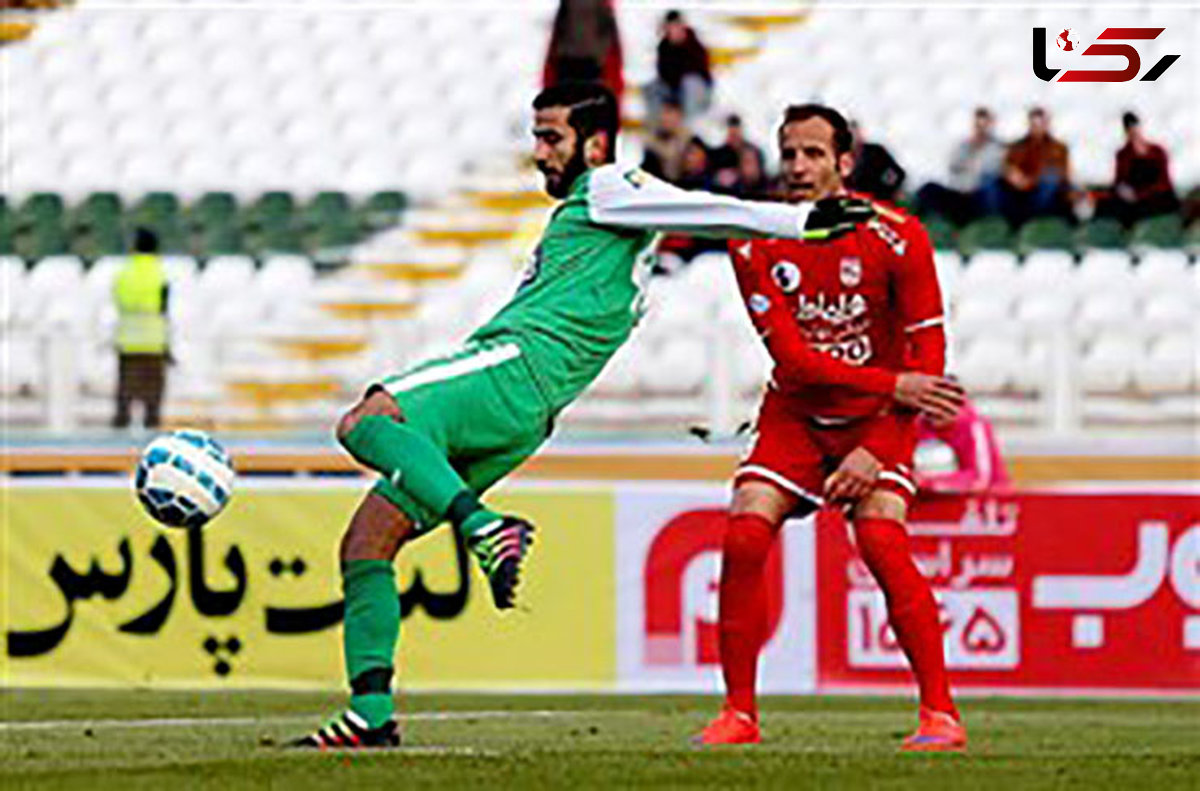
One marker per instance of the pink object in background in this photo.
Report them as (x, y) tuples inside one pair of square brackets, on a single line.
[(970, 437)]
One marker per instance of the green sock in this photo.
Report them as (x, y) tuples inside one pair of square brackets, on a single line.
[(371, 631), (414, 464)]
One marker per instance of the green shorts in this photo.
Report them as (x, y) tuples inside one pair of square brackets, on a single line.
[(480, 406)]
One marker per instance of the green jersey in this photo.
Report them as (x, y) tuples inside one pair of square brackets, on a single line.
[(583, 289)]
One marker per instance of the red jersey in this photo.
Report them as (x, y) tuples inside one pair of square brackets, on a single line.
[(842, 317)]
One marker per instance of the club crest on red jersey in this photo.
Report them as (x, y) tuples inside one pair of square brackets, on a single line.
[(851, 271), (787, 276)]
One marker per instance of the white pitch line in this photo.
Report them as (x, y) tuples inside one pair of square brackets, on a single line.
[(201, 722)]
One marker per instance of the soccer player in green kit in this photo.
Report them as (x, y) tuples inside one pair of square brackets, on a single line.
[(443, 432)]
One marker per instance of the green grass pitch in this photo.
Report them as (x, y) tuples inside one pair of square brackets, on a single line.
[(172, 741)]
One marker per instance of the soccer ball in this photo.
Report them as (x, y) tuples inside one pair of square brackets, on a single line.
[(184, 478)]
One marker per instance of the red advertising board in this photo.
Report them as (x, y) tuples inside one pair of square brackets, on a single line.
[(1053, 591)]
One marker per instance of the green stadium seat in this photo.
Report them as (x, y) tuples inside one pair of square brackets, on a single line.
[(154, 205), (1191, 238), (1103, 233), (1045, 233), (98, 208), (325, 204), (278, 239), (1163, 231), (988, 233), (99, 241), (47, 238), (220, 240), (274, 204), (213, 209), (383, 209), (332, 243), (941, 232)]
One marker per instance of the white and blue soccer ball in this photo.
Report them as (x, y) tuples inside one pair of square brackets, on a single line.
[(184, 478)]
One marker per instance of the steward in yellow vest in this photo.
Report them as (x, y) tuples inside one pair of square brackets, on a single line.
[(141, 291)]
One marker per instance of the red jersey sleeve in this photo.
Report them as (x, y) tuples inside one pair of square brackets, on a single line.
[(796, 363), (919, 303)]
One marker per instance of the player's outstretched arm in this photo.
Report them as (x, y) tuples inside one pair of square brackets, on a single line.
[(631, 198)]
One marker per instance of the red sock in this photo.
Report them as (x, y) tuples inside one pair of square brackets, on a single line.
[(912, 610), (743, 602)]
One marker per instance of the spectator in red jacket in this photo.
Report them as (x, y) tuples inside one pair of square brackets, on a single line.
[(683, 70), (1142, 185)]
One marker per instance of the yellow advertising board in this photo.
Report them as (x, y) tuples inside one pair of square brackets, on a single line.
[(94, 593)]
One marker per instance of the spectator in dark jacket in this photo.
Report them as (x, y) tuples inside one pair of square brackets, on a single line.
[(585, 45), (683, 70), (1142, 185), (726, 160), (876, 172)]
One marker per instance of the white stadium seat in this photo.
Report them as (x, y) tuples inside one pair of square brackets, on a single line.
[(1107, 366), (1170, 367)]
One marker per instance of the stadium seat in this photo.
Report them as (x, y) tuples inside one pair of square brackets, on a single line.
[(1107, 365), (990, 233), (1101, 234), (677, 366), (1046, 233), (982, 308), (990, 271), (1045, 270), (1170, 365), (1107, 309), (1164, 231), (1171, 307), (990, 364), (1104, 270)]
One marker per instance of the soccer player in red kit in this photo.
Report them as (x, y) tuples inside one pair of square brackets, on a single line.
[(854, 325)]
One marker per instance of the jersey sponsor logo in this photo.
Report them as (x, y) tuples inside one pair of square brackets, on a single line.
[(850, 271), (787, 276), (758, 303), (846, 308), (855, 350), (889, 236)]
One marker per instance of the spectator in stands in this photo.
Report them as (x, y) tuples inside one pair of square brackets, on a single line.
[(974, 189), (1037, 174), (141, 292), (683, 71), (876, 172), (1142, 185), (696, 175), (976, 465), (585, 45), (667, 144), (753, 182), (726, 159)]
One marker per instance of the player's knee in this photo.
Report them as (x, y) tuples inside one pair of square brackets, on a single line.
[(881, 504), (376, 531)]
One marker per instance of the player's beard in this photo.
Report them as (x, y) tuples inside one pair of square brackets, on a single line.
[(559, 184)]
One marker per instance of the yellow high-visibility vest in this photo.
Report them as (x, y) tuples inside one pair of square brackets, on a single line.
[(141, 323)]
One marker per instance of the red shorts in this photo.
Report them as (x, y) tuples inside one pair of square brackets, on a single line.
[(796, 453)]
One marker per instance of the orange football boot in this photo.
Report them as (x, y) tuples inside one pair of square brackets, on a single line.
[(730, 727), (937, 732)]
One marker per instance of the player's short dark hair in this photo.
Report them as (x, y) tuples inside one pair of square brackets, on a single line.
[(673, 16), (983, 112), (843, 140), (145, 241), (733, 119), (591, 108), (1130, 119), (1037, 110)]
